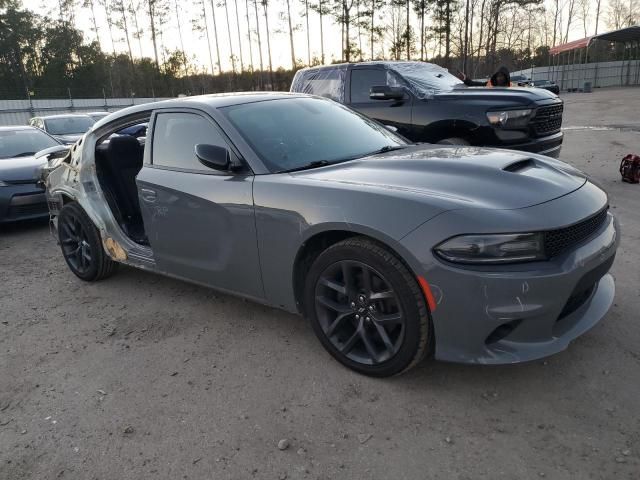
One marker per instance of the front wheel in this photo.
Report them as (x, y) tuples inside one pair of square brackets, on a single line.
[(367, 309), (81, 245)]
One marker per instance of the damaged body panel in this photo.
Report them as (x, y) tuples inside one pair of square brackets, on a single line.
[(492, 256)]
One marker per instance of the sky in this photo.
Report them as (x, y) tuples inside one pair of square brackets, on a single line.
[(195, 43)]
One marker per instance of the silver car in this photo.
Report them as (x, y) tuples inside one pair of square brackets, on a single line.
[(393, 251)]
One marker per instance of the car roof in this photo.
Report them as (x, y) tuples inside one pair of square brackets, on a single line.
[(217, 100), (9, 128), (384, 63), (63, 115)]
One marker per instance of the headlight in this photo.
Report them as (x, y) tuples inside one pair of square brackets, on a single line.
[(3, 184), (488, 249), (510, 118)]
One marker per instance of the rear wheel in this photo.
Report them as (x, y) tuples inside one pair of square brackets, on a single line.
[(454, 141), (81, 245), (367, 308)]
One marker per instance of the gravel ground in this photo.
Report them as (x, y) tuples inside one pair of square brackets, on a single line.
[(141, 376)]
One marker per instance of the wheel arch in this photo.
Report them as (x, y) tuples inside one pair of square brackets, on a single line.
[(320, 239), (436, 131)]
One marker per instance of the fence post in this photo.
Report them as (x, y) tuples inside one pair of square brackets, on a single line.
[(104, 97), (31, 110), (70, 99)]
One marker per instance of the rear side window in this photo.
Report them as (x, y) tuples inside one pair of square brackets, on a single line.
[(361, 82), (175, 136), (327, 82)]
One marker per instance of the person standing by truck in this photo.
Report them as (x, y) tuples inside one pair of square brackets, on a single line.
[(501, 78)]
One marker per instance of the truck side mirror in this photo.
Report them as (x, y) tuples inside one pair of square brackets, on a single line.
[(385, 92)]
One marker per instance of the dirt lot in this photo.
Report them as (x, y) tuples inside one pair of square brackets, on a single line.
[(141, 376)]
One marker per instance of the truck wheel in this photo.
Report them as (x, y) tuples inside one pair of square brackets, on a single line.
[(454, 141), (81, 245), (367, 309)]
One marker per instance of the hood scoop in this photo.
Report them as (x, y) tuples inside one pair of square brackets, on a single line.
[(520, 166)]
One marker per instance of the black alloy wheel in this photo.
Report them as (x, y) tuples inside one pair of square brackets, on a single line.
[(367, 308), (75, 245), (359, 312), (81, 245)]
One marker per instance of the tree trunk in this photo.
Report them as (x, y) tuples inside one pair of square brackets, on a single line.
[(249, 35), (597, 16), (465, 49), (184, 55), (293, 55), (306, 12), (239, 37), (255, 7), (125, 27), (138, 34), (321, 33), (215, 35), (373, 16), (266, 22), (408, 31), (233, 57), (206, 30), (359, 29), (152, 23), (422, 13)]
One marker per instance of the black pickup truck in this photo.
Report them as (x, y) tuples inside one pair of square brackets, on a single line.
[(425, 103)]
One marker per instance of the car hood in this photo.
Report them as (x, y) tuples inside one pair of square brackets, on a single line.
[(499, 96), (67, 139), (20, 169), (467, 177)]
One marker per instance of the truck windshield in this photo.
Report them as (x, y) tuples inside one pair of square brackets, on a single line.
[(425, 78)]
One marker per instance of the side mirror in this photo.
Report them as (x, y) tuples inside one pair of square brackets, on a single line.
[(385, 92), (213, 156), (51, 153)]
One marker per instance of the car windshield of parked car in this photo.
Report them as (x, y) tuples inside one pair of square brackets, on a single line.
[(22, 143), (68, 125), (425, 79), (294, 133), (540, 82)]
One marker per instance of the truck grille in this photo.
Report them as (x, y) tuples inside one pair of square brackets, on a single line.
[(556, 241), (548, 119)]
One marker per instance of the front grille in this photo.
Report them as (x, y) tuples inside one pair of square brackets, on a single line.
[(17, 211), (556, 241), (548, 119)]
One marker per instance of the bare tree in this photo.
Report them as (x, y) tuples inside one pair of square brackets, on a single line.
[(90, 4), (137, 33), (249, 34), (215, 35), (293, 55), (123, 25), (255, 6), (265, 4), (239, 37), (232, 56), (199, 24)]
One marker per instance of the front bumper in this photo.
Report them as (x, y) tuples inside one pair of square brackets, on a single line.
[(523, 312), (22, 202), (549, 145)]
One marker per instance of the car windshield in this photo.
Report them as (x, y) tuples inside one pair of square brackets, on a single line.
[(23, 143), (68, 125), (295, 133), (425, 79), (98, 116), (540, 82)]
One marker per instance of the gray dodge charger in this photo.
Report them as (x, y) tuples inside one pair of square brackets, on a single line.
[(392, 251)]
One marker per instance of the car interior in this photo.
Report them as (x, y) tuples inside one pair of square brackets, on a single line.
[(118, 161)]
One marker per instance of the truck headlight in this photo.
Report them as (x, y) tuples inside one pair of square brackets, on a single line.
[(491, 249), (510, 118), (3, 184)]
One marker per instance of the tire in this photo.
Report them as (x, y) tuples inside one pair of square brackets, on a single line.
[(394, 301), (454, 141), (81, 245)]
